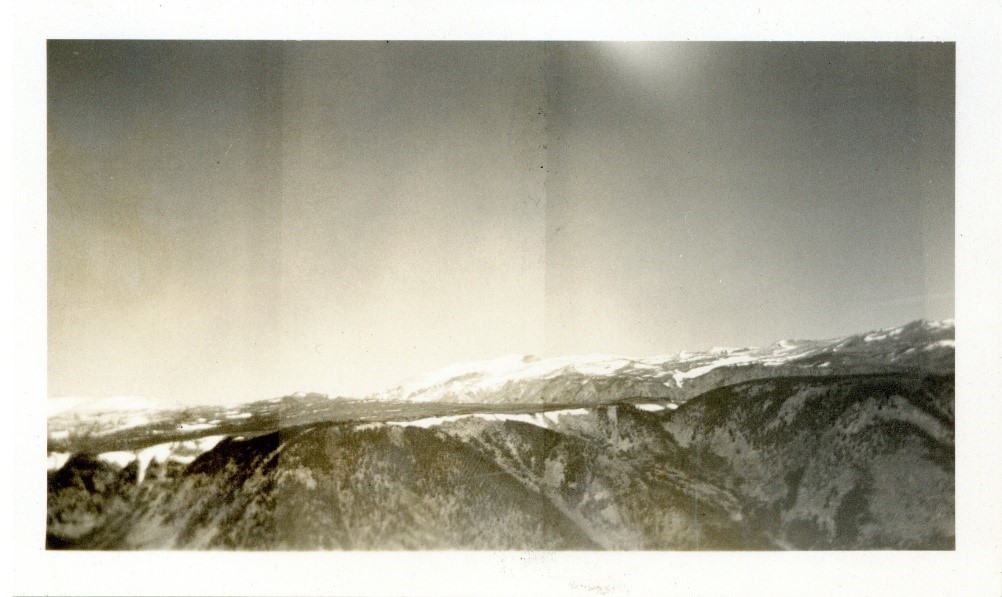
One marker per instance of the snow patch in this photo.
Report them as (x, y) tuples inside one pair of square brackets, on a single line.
[(941, 344), (56, 460), (195, 426), (203, 444), (942, 324), (654, 407), (184, 452), (681, 376), (118, 458), (546, 420)]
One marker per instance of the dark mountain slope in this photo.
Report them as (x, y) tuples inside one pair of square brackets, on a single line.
[(831, 462), (332, 487), (846, 463), (620, 475)]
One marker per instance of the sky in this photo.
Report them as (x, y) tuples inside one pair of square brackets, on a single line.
[(242, 220)]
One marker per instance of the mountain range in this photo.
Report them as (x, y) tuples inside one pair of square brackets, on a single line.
[(844, 443)]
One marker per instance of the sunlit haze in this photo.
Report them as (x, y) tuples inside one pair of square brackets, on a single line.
[(243, 220)]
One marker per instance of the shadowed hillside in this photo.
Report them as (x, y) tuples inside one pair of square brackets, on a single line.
[(832, 462)]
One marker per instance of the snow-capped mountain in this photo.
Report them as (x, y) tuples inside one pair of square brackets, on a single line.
[(836, 444), (523, 383), (676, 378)]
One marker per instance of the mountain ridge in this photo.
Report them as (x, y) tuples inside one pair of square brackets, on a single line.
[(519, 380), (825, 462)]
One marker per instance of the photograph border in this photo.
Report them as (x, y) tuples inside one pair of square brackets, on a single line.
[(975, 567)]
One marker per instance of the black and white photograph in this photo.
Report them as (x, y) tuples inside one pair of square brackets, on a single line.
[(385, 299), (394, 295)]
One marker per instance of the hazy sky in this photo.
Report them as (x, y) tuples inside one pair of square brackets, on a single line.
[(240, 220)]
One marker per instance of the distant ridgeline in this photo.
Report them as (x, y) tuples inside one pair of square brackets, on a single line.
[(837, 444)]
